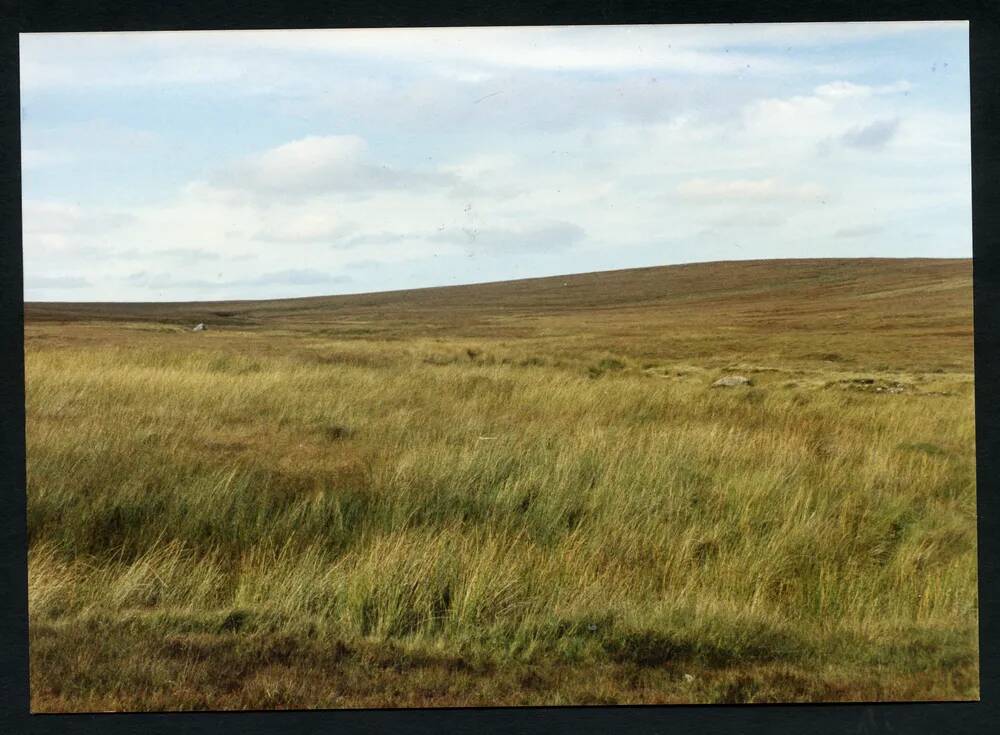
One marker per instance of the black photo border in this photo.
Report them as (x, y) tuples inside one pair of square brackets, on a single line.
[(34, 16)]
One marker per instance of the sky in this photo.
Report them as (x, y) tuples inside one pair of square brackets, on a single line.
[(182, 166)]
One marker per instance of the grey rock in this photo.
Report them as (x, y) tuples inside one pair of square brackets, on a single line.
[(731, 381)]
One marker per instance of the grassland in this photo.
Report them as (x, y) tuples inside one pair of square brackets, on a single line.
[(518, 493)]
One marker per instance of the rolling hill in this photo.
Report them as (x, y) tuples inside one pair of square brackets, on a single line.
[(866, 308)]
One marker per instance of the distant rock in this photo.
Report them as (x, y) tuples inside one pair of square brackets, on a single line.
[(731, 381), (871, 385), (199, 328)]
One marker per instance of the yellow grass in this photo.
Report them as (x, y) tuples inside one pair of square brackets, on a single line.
[(520, 493)]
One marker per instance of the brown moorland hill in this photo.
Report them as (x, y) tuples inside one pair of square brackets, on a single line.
[(869, 309)]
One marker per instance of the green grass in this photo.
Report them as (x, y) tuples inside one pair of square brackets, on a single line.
[(282, 515)]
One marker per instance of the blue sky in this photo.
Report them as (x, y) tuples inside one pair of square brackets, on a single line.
[(216, 165)]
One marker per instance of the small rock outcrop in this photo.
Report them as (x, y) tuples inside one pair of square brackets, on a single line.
[(871, 385), (731, 381), (199, 328)]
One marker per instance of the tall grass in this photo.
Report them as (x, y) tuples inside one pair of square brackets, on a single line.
[(508, 505)]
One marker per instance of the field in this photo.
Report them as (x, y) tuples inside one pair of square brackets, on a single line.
[(521, 493)]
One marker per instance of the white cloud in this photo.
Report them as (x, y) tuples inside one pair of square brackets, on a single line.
[(41, 281), (61, 217), (257, 59), (288, 277), (531, 238), (117, 60), (858, 231), (769, 189), (318, 164), (33, 158), (751, 218), (844, 90), (314, 225), (829, 111)]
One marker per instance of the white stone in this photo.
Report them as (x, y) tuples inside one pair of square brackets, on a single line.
[(731, 381)]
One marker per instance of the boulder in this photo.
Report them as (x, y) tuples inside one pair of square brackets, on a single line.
[(731, 381)]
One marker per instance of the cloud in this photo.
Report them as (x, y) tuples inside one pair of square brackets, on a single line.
[(48, 217), (256, 60), (539, 238), (34, 158), (847, 90), (821, 117), (181, 253), (872, 136), (293, 277), (58, 145), (750, 218), (34, 281), (376, 238), (319, 164), (60, 229), (309, 226), (122, 60), (299, 277), (723, 191), (859, 231)]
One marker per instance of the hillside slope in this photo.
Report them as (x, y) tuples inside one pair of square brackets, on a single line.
[(734, 282), (897, 312)]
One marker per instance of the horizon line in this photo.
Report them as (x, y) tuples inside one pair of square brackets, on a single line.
[(492, 282)]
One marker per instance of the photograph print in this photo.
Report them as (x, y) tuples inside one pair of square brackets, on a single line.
[(499, 366)]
